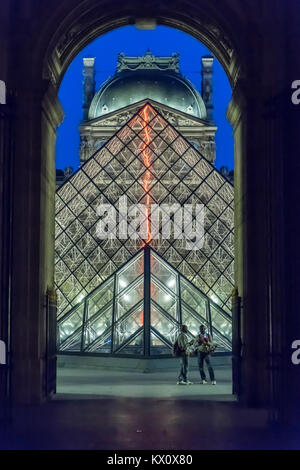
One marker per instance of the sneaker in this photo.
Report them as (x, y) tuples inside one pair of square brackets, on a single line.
[(190, 383), (182, 382), (203, 382), (214, 382)]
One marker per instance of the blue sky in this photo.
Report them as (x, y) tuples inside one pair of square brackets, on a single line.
[(161, 41)]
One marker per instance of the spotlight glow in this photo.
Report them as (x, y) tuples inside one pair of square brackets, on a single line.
[(214, 298), (171, 283), (122, 283)]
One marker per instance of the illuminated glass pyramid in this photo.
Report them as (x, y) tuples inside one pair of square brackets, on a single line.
[(138, 311), (149, 163)]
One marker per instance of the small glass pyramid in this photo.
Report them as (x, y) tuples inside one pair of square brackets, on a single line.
[(139, 310)]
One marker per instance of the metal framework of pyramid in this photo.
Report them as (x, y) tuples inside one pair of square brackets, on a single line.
[(149, 162), (138, 312)]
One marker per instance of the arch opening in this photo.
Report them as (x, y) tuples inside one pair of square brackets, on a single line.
[(213, 296)]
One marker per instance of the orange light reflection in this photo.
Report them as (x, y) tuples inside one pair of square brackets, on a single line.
[(146, 152)]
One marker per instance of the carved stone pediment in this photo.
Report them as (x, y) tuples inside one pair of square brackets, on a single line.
[(119, 118), (148, 61)]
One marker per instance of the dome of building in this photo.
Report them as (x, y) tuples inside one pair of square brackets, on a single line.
[(147, 80)]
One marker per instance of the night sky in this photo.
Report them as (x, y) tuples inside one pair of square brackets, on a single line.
[(162, 41)]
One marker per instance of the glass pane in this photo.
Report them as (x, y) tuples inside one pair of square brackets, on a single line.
[(73, 343), (223, 344), (192, 322), (135, 347), (158, 347), (129, 298), (130, 272), (102, 345), (96, 326), (193, 298), (164, 273), (101, 298), (163, 325), (169, 302), (67, 326), (220, 322), (128, 326)]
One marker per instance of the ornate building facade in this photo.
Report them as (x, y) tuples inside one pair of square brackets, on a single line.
[(141, 79)]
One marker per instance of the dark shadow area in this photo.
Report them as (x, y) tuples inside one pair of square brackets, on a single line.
[(141, 423)]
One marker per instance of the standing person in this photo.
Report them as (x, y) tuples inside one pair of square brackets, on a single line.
[(183, 346), (204, 346)]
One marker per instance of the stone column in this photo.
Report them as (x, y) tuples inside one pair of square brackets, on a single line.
[(7, 147), (88, 85), (251, 241), (288, 119), (207, 85), (38, 114), (236, 343)]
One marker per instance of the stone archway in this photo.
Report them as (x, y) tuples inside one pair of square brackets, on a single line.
[(63, 48), (56, 36)]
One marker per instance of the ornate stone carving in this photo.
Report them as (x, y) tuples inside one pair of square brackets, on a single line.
[(187, 123), (221, 38), (120, 118), (87, 147), (148, 61), (67, 38), (48, 74)]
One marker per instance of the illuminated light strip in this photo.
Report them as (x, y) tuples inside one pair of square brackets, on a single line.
[(146, 158)]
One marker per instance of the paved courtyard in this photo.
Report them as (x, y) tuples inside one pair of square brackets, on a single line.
[(90, 382)]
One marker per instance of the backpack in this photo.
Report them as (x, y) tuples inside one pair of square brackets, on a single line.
[(177, 351)]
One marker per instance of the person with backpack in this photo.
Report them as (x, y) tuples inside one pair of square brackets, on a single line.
[(205, 347), (181, 349)]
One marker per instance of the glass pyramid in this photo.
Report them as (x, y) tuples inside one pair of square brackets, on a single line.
[(138, 312), (147, 162)]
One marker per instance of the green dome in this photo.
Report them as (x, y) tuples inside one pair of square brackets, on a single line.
[(166, 87)]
